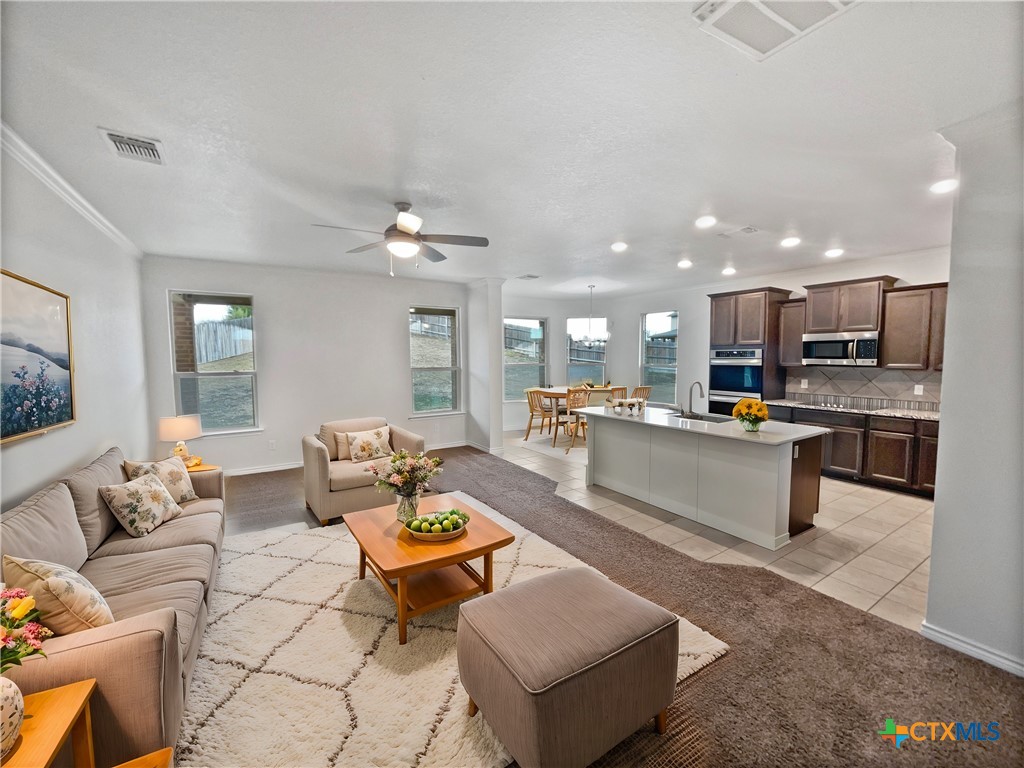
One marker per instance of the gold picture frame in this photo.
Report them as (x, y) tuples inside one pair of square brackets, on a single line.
[(37, 370)]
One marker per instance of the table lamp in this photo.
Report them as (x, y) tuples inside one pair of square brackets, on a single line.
[(180, 429)]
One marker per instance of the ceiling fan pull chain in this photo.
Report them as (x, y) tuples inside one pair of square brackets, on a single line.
[(391, 262)]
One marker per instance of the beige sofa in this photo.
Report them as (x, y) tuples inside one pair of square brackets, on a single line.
[(335, 485), (157, 588)]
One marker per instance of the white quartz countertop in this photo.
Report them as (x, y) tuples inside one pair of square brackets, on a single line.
[(771, 432)]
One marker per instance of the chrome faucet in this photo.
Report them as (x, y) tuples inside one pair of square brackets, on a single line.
[(689, 410)]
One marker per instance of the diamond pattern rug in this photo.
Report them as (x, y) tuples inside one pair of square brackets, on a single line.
[(300, 663)]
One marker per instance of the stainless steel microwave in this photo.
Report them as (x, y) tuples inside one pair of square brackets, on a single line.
[(850, 348)]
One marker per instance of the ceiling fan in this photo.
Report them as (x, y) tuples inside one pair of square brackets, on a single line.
[(404, 239)]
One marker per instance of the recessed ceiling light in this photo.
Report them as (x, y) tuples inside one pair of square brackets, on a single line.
[(789, 242), (620, 246), (833, 253), (684, 264), (706, 221), (944, 186), (729, 271)]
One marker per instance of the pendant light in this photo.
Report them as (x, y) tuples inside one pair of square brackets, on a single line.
[(589, 340)]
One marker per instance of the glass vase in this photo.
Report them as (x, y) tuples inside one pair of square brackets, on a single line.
[(750, 426), (407, 507)]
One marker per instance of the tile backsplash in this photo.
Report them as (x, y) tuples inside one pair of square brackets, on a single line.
[(865, 388)]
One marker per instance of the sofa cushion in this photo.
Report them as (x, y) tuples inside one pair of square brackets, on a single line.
[(120, 574), (140, 505), (94, 516), (66, 600), (172, 474), (201, 506), (328, 430), (347, 474), (369, 445), (194, 529), (185, 597), (45, 527)]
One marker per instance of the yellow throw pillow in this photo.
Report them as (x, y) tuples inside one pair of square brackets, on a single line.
[(67, 602), (140, 505), (369, 445), (172, 474)]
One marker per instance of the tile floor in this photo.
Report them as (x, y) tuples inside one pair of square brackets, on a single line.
[(869, 547)]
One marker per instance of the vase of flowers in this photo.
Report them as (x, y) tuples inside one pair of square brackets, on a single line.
[(751, 413), (407, 476), (21, 635)]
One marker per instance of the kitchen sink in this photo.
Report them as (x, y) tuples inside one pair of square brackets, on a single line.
[(714, 418)]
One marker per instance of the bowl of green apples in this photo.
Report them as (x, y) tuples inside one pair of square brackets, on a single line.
[(438, 526)]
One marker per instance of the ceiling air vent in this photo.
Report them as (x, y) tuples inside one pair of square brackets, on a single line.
[(528, 277), (761, 28), (133, 147)]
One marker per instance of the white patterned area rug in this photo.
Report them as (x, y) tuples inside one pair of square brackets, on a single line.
[(300, 664)]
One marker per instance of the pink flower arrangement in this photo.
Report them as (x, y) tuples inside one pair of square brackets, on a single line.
[(406, 474), (21, 635)]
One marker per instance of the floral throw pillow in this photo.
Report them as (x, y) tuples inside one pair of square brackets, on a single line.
[(369, 445), (172, 474), (65, 598), (140, 505)]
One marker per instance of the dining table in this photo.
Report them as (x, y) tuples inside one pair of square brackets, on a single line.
[(558, 394)]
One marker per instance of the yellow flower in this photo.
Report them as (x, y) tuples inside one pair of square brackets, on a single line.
[(22, 608)]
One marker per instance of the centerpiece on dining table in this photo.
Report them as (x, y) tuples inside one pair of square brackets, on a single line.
[(407, 476)]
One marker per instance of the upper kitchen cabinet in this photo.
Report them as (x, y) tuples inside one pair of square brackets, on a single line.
[(850, 305), (745, 318), (915, 320), (791, 332)]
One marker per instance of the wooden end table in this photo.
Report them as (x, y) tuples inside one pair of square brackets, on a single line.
[(159, 759), (420, 575), (203, 468), (50, 716)]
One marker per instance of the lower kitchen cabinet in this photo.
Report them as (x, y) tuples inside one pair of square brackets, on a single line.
[(927, 451), (890, 457), (844, 451)]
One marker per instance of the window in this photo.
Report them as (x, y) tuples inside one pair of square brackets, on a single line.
[(587, 338), (214, 365), (525, 364), (434, 356), (658, 355)]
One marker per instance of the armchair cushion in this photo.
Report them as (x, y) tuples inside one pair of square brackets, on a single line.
[(348, 474), (369, 445), (328, 430)]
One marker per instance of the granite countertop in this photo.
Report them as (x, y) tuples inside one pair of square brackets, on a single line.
[(899, 413)]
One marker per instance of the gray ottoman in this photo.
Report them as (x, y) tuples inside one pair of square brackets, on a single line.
[(566, 665)]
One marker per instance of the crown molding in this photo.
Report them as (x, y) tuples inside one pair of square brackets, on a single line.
[(17, 148)]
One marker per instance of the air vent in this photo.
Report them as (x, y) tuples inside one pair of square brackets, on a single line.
[(761, 28), (528, 277), (133, 147)]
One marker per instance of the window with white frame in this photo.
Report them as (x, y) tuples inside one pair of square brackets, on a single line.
[(586, 346), (524, 356), (434, 357), (659, 333), (214, 360)]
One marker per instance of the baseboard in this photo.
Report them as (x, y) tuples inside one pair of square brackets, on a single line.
[(479, 447), (257, 470), (438, 446), (973, 648)]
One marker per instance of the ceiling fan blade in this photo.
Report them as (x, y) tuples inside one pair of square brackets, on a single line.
[(362, 248), (349, 229), (481, 242), (408, 223), (430, 254)]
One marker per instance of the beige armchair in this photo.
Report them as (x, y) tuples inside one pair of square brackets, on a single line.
[(334, 484)]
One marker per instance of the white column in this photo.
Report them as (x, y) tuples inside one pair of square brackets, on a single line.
[(483, 364), (976, 588)]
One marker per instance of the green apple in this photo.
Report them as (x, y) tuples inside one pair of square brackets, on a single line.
[(447, 525), (414, 525), (436, 528)]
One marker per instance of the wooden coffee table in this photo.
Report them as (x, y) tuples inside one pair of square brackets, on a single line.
[(420, 575)]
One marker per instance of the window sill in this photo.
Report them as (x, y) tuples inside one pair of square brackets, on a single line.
[(230, 433), (436, 415)]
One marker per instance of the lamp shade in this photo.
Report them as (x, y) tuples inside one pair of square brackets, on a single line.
[(175, 428)]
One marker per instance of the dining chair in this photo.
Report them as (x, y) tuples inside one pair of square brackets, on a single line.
[(575, 398), (540, 407), (618, 393), (644, 393)]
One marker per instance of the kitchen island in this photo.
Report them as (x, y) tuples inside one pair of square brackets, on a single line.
[(760, 486)]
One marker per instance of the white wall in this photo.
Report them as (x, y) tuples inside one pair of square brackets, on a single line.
[(694, 307), (48, 241), (976, 588), (328, 346)]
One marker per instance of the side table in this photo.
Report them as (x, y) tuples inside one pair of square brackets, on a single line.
[(203, 468), (159, 759), (50, 716)]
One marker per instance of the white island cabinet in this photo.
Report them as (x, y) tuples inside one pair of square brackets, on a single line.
[(760, 486)]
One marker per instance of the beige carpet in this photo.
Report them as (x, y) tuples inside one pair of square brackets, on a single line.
[(300, 664)]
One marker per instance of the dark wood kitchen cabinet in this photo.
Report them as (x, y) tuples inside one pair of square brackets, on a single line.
[(890, 457), (914, 327), (791, 332), (745, 318), (927, 452), (850, 305), (844, 447)]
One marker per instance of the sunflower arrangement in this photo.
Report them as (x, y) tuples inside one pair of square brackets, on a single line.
[(750, 413)]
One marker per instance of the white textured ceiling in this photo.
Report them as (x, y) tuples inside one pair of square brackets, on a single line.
[(552, 129)]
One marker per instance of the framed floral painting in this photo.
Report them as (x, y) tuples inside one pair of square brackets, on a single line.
[(36, 362)]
